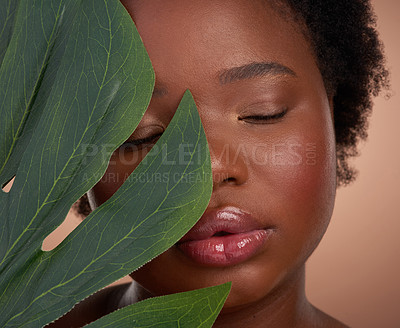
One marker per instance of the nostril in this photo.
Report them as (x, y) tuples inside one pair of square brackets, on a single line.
[(218, 182)]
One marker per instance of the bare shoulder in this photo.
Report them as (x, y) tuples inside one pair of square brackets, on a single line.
[(322, 319), (92, 308)]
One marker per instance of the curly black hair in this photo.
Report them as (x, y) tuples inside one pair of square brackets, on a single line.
[(351, 60), (349, 54)]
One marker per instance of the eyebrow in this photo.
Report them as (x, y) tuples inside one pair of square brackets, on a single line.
[(252, 70)]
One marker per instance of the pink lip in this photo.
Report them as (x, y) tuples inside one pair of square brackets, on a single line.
[(224, 237)]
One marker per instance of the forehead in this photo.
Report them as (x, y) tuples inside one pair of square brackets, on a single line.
[(201, 38)]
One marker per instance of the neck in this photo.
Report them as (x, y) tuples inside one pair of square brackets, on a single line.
[(285, 306)]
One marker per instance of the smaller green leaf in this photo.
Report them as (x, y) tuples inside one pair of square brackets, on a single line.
[(197, 308)]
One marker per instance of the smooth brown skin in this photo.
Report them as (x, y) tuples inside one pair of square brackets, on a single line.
[(190, 43)]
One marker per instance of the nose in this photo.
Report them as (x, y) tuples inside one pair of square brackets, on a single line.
[(229, 161)]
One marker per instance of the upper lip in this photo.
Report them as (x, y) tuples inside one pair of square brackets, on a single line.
[(230, 220)]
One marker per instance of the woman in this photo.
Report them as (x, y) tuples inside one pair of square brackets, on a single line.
[(283, 89)]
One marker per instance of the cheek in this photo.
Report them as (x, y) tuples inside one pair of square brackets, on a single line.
[(300, 179), (121, 165), (311, 186), (306, 170)]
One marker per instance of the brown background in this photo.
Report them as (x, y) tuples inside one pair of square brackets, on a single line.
[(354, 274)]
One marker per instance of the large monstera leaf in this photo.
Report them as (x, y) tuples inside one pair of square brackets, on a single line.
[(75, 81)]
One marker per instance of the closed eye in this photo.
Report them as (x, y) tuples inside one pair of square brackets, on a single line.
[(264, 118), (136, 144)]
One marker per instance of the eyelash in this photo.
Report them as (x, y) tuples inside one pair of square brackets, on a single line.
[(141, 143), (265, 118)]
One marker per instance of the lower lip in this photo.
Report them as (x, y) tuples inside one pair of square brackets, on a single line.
[(225, 250)]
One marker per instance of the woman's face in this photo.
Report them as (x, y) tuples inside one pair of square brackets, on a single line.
[(268, 123)]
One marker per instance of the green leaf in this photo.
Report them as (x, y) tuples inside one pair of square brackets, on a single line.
[(7, 15), (75, 80), (30, 33), (85, 94), (198, 308)]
